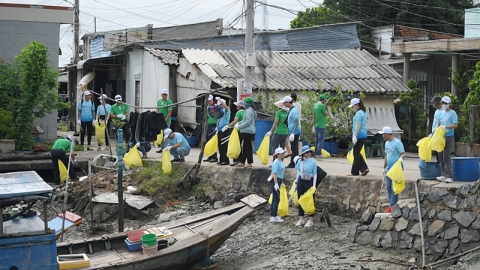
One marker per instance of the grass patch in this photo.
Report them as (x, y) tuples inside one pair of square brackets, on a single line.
[(199, 189), (62, 126), (152, 180)]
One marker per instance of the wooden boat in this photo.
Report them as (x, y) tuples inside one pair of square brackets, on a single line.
[(194, 235)]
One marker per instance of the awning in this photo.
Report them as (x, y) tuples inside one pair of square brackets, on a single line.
[(97, 61)]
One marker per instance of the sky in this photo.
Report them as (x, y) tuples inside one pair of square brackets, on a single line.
[(120, 14)]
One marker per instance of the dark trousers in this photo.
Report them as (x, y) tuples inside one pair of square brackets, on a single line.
[(302, 187), (107, 130), (247, 151), (56, 155), (359, 163), (275, 197), (294, 148), (86, 126), (210, 134), (222, 148)]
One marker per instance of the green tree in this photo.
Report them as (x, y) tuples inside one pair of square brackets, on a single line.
[(316, 16), (29, 91)]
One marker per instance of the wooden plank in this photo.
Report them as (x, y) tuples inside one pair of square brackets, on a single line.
[(253, 200)]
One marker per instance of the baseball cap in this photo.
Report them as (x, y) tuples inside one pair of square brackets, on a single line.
[(102, 97), (354, 101), (322, 97), (167, 132), (279, 150), (287, 99), (86, 93), (249, 100), (386, 130), (118, 97), (446, 99), (295, 159), (239, 103), (69, 137), (436, 99), (164, 91), (210, 97)]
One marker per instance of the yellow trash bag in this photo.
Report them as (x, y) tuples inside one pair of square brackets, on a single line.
[(63, 171), (306, 201), (398, 187), (100, 132), (396, 173), (270, 200), (132, 159), (438, 140), (263, 150), (166, 163), (424, 150), (283, 205), (350, 155), (234, 148), (293, 193), (325, 154), (159, 139), (211, 147)]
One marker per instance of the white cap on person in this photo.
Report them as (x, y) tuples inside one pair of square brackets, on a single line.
[(102, 97), (447, 99), (354, 101), (386, 130), (295, 159), (279, 150), (118, 97), (69, 137), (287, 99), (164, 91), (86, 93), (167, 132), (210, 97)]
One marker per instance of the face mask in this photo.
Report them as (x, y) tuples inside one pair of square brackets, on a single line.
[(446, 106)]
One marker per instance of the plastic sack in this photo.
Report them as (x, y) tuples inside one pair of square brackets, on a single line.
[(424, 150), (132, 159), (159, 139), (350, 155), (63, 171), (293, 193), (396, 173), (283, 205), (234, 148), (295, 198), (263, 150), (325, 154), (270, 200), (398, 187), (306, 201), (166, 163), (438, 140), (100, 132), (211, 147)]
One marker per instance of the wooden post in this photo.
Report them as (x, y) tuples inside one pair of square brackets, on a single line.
[(120, 179), (474, 115), (90, 187), (203, 139)]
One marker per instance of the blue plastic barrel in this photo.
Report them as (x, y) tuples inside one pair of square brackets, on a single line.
[(429, 170), (465, 169), (261, 128), (331, 147)]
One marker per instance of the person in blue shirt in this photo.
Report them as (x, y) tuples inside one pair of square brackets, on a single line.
[(306, 178), (177, 145), (86, 111), (294, 130), (448, 121), (278, 174), (437, 104), (102, 115), (359, 137), (223, 134), (394, 151)]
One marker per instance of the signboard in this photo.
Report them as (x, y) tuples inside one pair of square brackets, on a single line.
[(247, 88), (243, 97)]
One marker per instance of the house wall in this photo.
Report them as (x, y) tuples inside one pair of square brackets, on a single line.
[(385, 44), (153, 76), (472, 28)]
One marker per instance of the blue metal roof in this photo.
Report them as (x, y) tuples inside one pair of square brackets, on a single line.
[(324, 37)]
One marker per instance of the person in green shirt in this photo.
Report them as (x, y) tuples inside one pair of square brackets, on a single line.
[(320, 115), (279, 129), (238, 118), (165, 107), (120, 112), (59, 150)]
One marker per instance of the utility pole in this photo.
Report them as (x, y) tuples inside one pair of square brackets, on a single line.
[(95, 24), (76, 26), (250, 59)]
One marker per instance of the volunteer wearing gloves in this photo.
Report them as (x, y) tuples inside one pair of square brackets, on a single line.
[(247, 133), (437, 104), (359, 137), (177, 145), (279, 128), (223, 132), (102, 115), (306, 178), (165, 107), (86, 111), (120, 112), (320, 115), (59, 152), (448, 121), (293, 123), (211, 130), (238, 118), (278, 173), (394, 151)]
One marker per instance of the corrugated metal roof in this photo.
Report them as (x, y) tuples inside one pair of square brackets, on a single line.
[(352, 70), (167, 57)]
